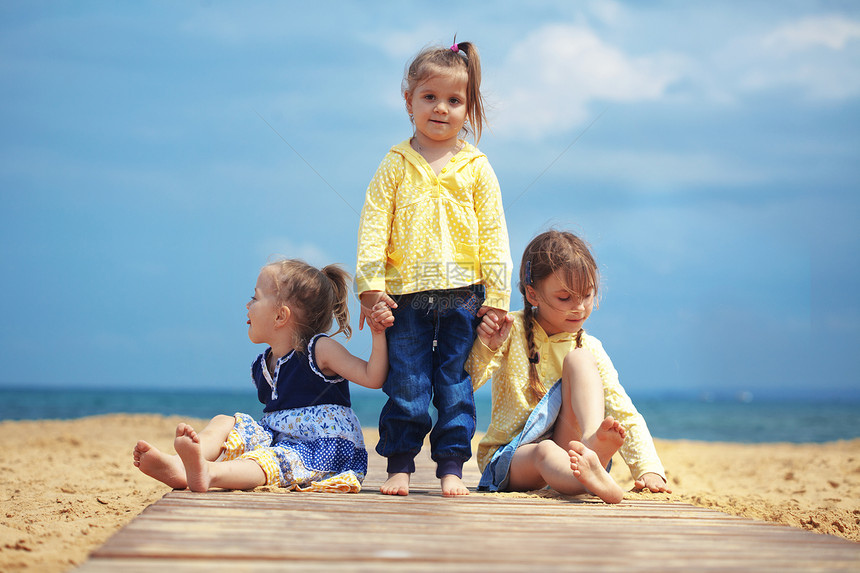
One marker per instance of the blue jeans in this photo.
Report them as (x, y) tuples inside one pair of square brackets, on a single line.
[(428, 346)]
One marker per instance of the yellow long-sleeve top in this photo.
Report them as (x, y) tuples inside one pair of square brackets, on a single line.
[(420, 231), (513, 401)]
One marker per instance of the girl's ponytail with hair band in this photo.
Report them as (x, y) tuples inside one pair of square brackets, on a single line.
[(458, 48)]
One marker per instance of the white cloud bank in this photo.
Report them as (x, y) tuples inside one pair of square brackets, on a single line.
[(816, 57), (552, 75), (830, 31)]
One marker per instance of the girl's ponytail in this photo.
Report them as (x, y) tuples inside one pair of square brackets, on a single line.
[(339, 279), (473, 87)]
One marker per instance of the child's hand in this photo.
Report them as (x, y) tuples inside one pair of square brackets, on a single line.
[(652, 482), (498, 315), (495, 326), (381, 315), (369, 300)]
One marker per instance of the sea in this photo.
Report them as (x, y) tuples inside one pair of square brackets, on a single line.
[(742, 418)]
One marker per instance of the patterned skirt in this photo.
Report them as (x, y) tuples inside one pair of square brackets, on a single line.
[(317, 448)]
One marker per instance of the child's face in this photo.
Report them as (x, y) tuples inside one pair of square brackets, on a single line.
[(558, 309), (263, 309), (438, 106)]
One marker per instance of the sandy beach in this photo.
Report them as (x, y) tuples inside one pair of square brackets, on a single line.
[(66, 486)]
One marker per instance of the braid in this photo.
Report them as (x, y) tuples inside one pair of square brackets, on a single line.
[(535, 383)]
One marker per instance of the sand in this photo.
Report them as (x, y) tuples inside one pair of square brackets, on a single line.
[(66, 486)]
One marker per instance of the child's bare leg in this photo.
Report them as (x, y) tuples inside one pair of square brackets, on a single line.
[(203, 474), (169, 468), (536, 465), (213, 436), (582, 410), (581, 415), (396, 484), (587, 468), (166, 468), (452, 486)]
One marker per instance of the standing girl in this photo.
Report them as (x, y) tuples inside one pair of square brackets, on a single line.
[(308, 438), (433, 235), (553, 384)]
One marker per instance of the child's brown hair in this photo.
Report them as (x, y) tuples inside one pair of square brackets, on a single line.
[(314, 296), (567, 257), (461, 56)]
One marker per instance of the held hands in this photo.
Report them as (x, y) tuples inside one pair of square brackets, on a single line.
[(652, 482), (376, 310), (380, 315), (495, 326)]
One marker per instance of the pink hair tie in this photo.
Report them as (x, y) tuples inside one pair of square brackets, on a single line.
[(455, 48)]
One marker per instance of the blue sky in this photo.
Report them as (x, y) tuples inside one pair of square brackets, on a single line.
[(156, 154)]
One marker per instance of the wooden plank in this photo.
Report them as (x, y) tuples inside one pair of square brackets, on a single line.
[(266, 531), (223, 529)]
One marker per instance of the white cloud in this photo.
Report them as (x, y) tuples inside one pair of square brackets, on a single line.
[(552, 75), (813, 57), (830, 31)]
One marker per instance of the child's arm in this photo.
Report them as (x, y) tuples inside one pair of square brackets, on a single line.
[(489, 350), (333, 358), (374, 234), (495, 251)]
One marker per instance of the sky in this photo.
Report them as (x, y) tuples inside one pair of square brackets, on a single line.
[(156, 154)]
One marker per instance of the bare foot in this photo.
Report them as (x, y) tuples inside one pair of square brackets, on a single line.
[(452, 486), (608, 438), (396, 484), (167, 469), (187, 445), (590, 472)]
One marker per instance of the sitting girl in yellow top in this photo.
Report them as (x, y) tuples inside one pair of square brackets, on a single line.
[(558, 411)]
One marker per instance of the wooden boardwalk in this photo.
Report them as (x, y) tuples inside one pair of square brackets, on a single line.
[(266, 531)]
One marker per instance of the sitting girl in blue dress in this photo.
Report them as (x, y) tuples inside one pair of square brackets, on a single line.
[(308, 438)]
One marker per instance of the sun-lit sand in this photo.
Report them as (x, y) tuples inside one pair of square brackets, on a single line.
[(66, 486)]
